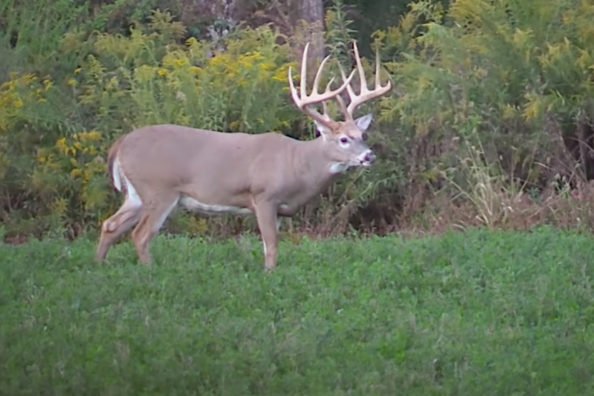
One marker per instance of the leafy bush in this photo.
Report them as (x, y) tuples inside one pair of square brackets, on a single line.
[(492, 109), (511, 78), (147, 77)]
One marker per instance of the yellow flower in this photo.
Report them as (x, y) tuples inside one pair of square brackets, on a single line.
[(191, 42), (60, 206), (42, 156), (112, 84), (509, 112), (235, 125), (72, 82), (180, 62), (267, 66), (18, 103), (28, 79), (48, 84), (281, 74), (90, 136), (87, 175), (162, 72), (62, 146)]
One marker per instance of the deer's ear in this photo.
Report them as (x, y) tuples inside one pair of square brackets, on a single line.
[(364, 122), (324, 131)]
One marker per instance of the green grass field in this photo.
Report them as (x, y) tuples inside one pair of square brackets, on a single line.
[(475, 313)]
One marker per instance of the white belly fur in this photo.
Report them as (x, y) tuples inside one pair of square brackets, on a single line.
[(191, 204)]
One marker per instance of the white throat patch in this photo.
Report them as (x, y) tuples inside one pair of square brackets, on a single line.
[(338, 167)]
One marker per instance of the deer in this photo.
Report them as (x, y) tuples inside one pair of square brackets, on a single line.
[(269, 175)]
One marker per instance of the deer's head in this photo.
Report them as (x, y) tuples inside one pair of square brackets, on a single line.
[(346, 139)]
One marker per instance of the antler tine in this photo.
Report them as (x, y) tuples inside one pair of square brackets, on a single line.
[(362, 78), (364, 93), (338, 98), (303, 81), (294, 93), (316, 82), (347, 115), (303, 100)]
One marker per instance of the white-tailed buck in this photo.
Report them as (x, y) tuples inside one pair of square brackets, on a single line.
[(269, 175)]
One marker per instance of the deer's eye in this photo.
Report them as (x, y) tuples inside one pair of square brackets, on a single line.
[(344, 140), (364, 136)]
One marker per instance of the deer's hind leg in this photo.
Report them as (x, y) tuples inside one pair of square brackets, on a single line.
[(154, 214), (119, 223)]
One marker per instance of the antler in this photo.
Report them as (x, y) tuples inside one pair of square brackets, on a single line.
[(364, 93), (305, 101)]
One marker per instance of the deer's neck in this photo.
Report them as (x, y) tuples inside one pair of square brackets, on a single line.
[(316, 162), (309, 174)]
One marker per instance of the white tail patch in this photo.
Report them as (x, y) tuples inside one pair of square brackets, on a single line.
[(120, 180), (116, 174), (131, 193)]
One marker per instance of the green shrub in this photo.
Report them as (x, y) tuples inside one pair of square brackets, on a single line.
[(511, 78), (492, 108), (147, 77)]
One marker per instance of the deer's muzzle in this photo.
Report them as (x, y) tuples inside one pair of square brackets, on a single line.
[(367, 158)]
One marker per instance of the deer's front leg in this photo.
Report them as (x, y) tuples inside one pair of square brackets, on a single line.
[(267, 223)]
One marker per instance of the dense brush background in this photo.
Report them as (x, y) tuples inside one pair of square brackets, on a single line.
[(490, 122)]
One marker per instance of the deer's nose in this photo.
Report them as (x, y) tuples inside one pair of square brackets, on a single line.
[(369, 157)]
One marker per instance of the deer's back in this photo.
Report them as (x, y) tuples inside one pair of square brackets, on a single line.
[(176, 156)]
